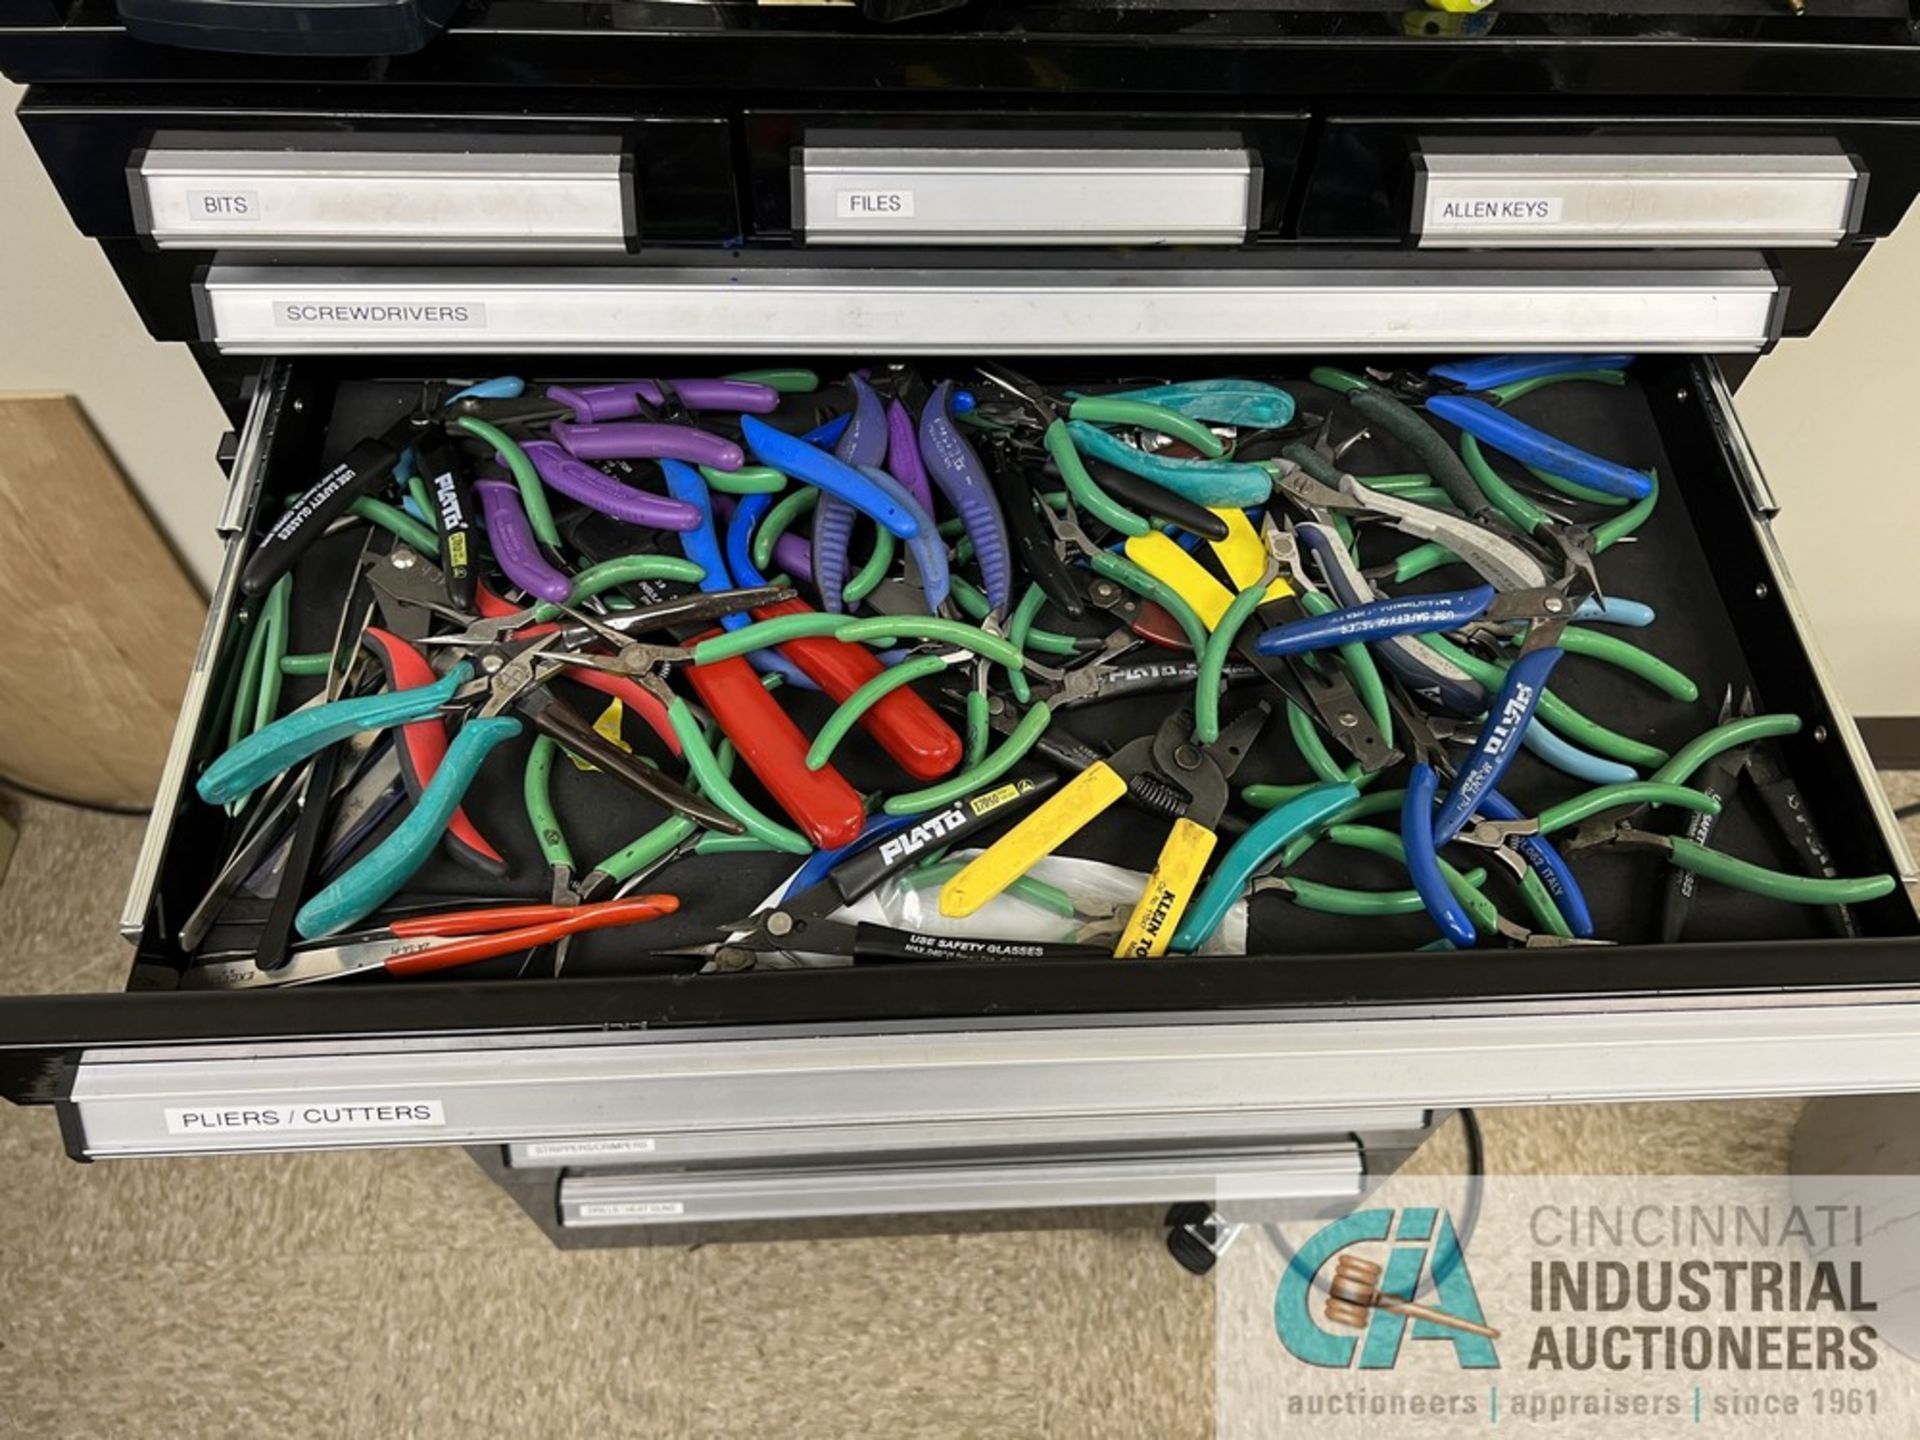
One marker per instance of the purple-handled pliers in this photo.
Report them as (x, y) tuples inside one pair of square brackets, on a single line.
[(597, 490), (510, 536), (592, 404), (958, 474), (863, 444), (647, 440)]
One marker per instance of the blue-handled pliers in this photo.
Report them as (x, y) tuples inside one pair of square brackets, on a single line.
[(870, 491), (1453, 392), (1508, 717), (702, 546), (1507, 831), (1409, 615), (1418, 838)]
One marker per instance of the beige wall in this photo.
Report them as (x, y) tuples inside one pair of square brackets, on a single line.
[(1819, 413), (65, 324), (1829, 417)]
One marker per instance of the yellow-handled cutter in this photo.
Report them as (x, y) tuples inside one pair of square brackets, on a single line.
[(1168, 766)]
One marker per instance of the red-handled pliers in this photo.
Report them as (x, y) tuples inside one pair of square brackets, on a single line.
[(414, 946)]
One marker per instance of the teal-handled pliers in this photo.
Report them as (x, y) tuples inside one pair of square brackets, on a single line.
[(384, 869), (1259, 844)]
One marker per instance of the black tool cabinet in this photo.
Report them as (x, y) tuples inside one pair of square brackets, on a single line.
[(588, 189)]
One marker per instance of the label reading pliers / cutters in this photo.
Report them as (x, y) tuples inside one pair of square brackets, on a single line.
[(307, 1115)]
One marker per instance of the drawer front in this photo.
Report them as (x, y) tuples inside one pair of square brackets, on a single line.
[(380, 171), (1350, 302), (1598, 180), (799, 1055), (1384, 1060), (392, 192), (1264, 1181), (1028, 195), (1479, 194), (959, 1137), (1018, 178)]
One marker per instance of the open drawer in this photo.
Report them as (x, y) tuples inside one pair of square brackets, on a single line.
[(1325, 1016)]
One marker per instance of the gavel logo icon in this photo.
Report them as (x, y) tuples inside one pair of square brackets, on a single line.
[(1355, 1293)]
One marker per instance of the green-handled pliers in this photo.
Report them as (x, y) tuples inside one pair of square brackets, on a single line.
[(1741, 874)]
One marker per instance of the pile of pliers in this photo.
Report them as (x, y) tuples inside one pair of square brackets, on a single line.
[(1033, 551)]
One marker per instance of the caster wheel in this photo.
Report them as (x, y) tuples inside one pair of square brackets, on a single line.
[(1193, 1254)]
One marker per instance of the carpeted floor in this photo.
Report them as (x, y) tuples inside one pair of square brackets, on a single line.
[(400, 1294)]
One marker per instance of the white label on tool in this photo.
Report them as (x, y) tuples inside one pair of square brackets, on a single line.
[(308, 1115), (873, 204), (629, 1209), (382, 314), (1448, 211), (217, 207), (584, 1149)]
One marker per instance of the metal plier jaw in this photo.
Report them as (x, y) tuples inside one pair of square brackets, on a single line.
[(1422, 741), (1546, 612), (1539, 939), (506, 676), (1070, 541), (1492, 836), (1028, 393), (410, 593), (1309, 494), (1283, 554), (1066, 688), (1603, 830)]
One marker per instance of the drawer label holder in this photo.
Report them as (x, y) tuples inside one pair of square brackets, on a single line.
[(307, 1115)]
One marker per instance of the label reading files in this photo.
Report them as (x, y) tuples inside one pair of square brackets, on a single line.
[(873, 204), (307, 1115), (1493, 212)]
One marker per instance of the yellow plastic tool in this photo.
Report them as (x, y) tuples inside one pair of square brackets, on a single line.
[(1070, 810), (1163, 559), (1173, 884), (1172, 758)]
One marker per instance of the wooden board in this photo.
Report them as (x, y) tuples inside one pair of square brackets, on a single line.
[(102, 620)]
